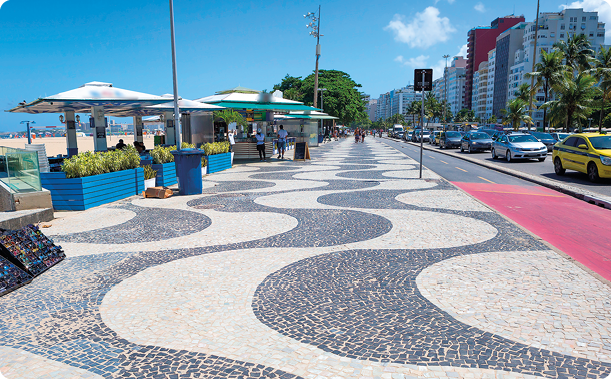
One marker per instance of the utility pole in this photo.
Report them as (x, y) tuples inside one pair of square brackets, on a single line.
[(315, 25), (28, 130), (176, 110), (532, 78)]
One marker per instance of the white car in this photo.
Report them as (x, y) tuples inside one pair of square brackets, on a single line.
[(518, 146)]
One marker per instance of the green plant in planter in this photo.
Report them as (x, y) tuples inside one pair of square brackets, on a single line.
[(216, 148), (204, 162), (149, 173), (162, 154), (186, 145), (90, 163)]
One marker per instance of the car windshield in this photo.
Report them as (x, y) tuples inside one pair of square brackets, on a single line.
[(453, 135), (563, 135), (489, 131), (522, 138), (601, 143), (479, 136), (543, 135)]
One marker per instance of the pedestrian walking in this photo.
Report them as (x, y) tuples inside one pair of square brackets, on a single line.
[(261, 145), (281, 141), (363, 136), (357, 136)]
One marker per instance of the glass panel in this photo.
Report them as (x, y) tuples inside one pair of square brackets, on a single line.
[(19, 169)]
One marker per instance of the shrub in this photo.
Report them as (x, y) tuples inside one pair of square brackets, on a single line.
[(162, 154), (216, 148), (204, 161), (90, 163), (149, 173)]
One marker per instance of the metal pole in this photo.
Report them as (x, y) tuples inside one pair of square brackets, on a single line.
[(532, 78), (29, 133), (445, 87), (422, 126), (176, 110), (317, 56)]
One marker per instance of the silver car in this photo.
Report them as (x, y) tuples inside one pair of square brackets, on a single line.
[(519, 146)]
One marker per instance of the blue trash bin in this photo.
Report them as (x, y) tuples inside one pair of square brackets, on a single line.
[(189, 170)]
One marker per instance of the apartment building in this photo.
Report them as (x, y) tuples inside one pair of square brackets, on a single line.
[(507, 43), (480, 41), (553, 27), (395, 101), (456, 84), (480, 90)]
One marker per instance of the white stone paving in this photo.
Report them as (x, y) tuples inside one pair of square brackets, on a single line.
[(536, 298), (19, 364)]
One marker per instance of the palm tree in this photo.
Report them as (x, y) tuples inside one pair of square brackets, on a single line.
[(548, 73), (516, 113), (576, 98), (229, 116), (523, 92), (491, 120), (602, 72), (577, 51)]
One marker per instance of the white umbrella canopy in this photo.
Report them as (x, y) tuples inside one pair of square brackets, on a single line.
[(80, 100), (185, 106)]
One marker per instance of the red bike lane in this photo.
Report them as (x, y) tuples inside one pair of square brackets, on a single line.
[(579, 229)]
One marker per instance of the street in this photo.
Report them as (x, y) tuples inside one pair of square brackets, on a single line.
[(577, 228)]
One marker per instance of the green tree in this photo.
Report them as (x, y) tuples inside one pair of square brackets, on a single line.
[(465, 115), (576, 97), (516, 113), (577, 52), (523, 92), (229, 116), (602, 72), (342, 98), (397, 118), (491, 120), (549, 72)]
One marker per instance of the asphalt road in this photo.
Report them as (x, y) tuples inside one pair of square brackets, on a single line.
[(534, 167), (575, 227)]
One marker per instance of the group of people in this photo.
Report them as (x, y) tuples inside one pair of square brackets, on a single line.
[(359, 135), (138, 145), (260, 137)]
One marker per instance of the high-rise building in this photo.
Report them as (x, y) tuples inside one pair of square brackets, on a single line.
[(456, 84), (480, 41), (480, 90), (394, 102), (553, 27), (507, 43), (490, 84), (371, 106)]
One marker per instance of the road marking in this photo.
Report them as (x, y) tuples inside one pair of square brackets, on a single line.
[(489, 181), (443, 161), (520, 193), (432, 156), (461, 169)]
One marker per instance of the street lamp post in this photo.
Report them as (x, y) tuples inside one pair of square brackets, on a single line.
[(28, 130), (445, 89), (315, 25), (532, 78), (176, 110), (321, 102)]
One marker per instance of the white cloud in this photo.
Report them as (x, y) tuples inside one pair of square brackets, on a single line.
[(480, 7), (463, 50), (424, 30), (2, 2), (603, 7), (399, 59)]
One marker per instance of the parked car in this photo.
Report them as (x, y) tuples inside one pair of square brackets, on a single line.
[(415, 135), (519, 146), (436, 137), (425, 136), (408, 135), (560, 136), (449, 140), (546, 138), (589, 153), (400, 135), (475, 141), (490, 132)]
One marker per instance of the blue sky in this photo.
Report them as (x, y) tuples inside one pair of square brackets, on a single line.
[(49, 47)]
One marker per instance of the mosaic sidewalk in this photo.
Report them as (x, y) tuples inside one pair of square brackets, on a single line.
[(344, 267)]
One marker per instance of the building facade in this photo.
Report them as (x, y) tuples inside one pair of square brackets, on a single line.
[(456, 84), (480, 41), (507, 43)]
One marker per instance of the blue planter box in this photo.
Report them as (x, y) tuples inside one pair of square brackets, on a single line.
[(78, 194), (166, 174), (218, 162)]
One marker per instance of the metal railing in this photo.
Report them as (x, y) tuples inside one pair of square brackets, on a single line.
[(19, 169)]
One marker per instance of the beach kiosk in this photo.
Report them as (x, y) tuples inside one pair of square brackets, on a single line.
[(95, 98), (259, 110)]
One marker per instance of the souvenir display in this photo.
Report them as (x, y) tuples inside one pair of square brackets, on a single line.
[(11, 276), (25, 252)]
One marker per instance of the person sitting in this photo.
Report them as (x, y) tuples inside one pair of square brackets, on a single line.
[(120, 145), (139, 147)]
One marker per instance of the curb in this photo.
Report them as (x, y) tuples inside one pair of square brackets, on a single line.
[(576, 192)]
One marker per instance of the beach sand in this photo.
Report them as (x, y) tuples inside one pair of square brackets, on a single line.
[(57, 145)]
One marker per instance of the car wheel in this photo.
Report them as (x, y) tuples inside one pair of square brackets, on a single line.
[(508, 155), (494, 156), (440, 145), (469, 150), (593, 172), (462, 150), (558, 167), (541, 159)]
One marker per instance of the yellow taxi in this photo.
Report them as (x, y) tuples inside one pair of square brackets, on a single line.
[(589, 153)]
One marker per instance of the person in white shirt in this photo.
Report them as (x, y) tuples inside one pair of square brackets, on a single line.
[(281, 141), (261, 145)]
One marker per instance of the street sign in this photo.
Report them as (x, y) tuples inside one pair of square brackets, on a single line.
[(427, 83)]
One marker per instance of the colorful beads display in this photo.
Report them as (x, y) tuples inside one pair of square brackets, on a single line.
[(31, 249)]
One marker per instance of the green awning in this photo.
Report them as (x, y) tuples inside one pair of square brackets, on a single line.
[(264, 106), (313, 117)]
